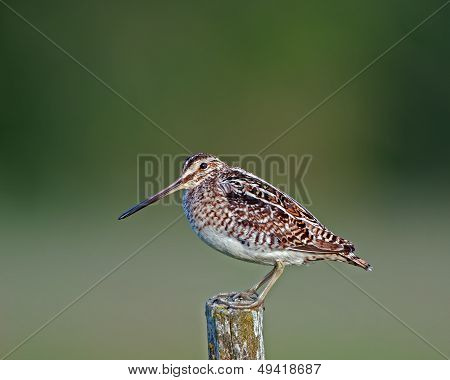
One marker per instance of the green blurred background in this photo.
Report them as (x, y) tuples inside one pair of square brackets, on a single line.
[(221, 77)]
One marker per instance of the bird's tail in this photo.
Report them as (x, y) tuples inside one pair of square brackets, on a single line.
[(348, 255), (352, 259)]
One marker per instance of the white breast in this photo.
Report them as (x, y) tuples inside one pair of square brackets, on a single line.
[(234, 248)]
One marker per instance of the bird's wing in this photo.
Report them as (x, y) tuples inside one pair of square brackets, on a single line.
[(258, 202)]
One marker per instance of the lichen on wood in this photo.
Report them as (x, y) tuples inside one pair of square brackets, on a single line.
[(234, 334)]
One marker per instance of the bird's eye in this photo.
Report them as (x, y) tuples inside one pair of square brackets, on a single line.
[(203, 165)]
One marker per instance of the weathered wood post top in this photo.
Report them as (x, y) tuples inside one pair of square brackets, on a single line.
[(234, 334)]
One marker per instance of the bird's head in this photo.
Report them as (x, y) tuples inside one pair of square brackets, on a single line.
[(196, 169), (199, 167)]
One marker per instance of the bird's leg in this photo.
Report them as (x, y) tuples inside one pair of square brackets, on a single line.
[(249, 294), (255, 287), (271, 278), (274, 276)]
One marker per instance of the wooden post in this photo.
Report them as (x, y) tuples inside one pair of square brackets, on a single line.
[(234, 334)]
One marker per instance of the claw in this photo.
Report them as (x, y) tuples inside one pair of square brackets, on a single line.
[(245, 296)]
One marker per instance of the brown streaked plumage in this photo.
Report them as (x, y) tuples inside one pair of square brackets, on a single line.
[(245, 217)]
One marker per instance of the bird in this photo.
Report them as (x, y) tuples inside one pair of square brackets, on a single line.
[(241, 215)]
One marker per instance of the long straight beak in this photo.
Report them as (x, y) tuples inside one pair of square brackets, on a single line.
[(177, 185)]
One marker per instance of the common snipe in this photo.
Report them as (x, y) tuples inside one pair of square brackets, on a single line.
[(242, 216)]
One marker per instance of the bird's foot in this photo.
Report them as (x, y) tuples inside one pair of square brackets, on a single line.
[(240, 300)]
